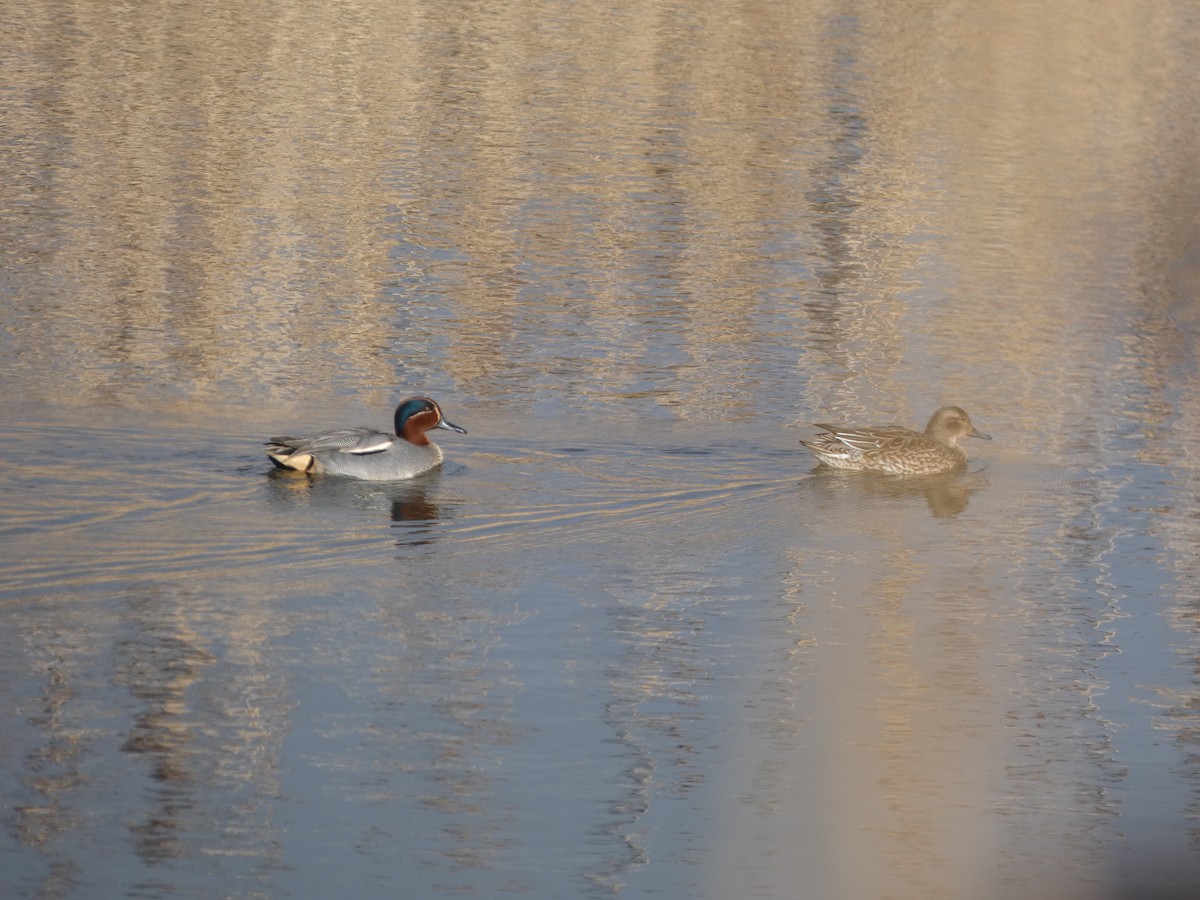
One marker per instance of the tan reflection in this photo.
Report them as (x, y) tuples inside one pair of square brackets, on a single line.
[(654, 704), (993, 170), (223, 215), (166, 667), (946, 494), (52, 770), (158, 670), (908, 715), (368, 191), (190, 744), (441, 719), (274, 197), (923, 671), (1177, 523), (875, 755), (631, 213)]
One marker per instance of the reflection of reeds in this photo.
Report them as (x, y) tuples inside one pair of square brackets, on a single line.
[(477, 202)]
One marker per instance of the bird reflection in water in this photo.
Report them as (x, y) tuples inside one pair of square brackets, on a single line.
[(416, 515), (947, 493), (412, 505)]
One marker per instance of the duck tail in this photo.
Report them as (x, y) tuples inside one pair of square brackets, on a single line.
[(283, 454)]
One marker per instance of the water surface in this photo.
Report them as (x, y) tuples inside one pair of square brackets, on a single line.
[(628, 639)]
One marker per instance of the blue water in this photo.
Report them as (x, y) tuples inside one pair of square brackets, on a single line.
[(628, 640)]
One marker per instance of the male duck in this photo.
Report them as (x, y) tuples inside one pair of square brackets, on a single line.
[(366, 453), (901, 451)]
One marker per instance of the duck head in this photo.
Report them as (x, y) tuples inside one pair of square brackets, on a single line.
[(417, 415), (950, 423)]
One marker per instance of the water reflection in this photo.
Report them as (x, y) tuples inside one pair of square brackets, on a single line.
[(946, 494), (416, 507), (159, 668), (51, 766), (646, 667), (181, 734)]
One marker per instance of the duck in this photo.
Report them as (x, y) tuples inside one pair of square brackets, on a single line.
[(895, 449), (366, 453)]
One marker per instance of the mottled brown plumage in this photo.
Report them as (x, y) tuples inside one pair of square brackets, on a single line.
[(892, 448)]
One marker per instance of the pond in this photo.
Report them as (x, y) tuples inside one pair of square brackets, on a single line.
[(629, 638)]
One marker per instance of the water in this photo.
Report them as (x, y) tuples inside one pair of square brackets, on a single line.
[(627, 640)]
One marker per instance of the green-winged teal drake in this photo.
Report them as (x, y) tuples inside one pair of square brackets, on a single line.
[(892, 448), (366, 453)]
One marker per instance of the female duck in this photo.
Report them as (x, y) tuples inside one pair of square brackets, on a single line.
[(901, 451), (366, 453)]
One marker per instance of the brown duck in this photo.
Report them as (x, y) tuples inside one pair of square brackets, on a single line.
[(895, 449)]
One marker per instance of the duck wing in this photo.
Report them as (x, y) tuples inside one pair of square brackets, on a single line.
[(358, 441), (871, 438)]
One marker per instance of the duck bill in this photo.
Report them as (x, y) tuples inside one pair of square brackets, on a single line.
[(975, 432), (450, 426)]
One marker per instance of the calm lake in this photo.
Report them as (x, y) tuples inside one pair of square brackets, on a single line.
[(629, 640)]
